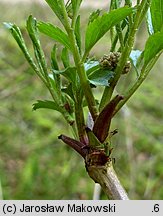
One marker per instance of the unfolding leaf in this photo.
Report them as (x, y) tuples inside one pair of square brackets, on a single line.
[(54, 62), (16, 33), (55, 6), (154, 45), (78, 33), (65, 57), (75, 144), (94, 15), (55, 33), (46, 104), (96, 29), (55, 78), (69, 9), (157, 15), (75, 4), (102, 123), (34, 36)]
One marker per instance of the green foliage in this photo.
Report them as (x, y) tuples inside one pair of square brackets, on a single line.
[(55, 33), (96, 75), (156, 10), (54, 62), (153, 47), (16, 33), (46, 104), (98, 28), (77, 33), (69, 86), (69, 73), (101, 77), (94, 15), (75, 4), (56, 7), (65, 58)]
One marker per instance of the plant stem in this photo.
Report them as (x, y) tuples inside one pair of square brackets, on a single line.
[(130, 18), (80, 66), (128, 47), (79, 117), (120, 36), (119, 30), (142, 77), (114, 43), (75, 15), (107, 178)]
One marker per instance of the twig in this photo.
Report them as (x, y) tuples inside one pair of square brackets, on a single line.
[(106, 177), (97, 187)]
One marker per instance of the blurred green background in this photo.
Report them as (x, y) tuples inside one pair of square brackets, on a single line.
[(34, 164)]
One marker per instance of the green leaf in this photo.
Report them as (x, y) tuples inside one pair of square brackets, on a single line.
[(101, 77), (68, 103), (157, 15), (69, 91), (55, 33), (65, 57), (91, 66), (97, 29), (72, 6), (56, 83), (75, 4), (96, 75), (69, 73), (17, 35), (55, 6), (78, 33), (94, 15), (46, 104), (69, 9), (39, 54), (154, 46), (54, 63)]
